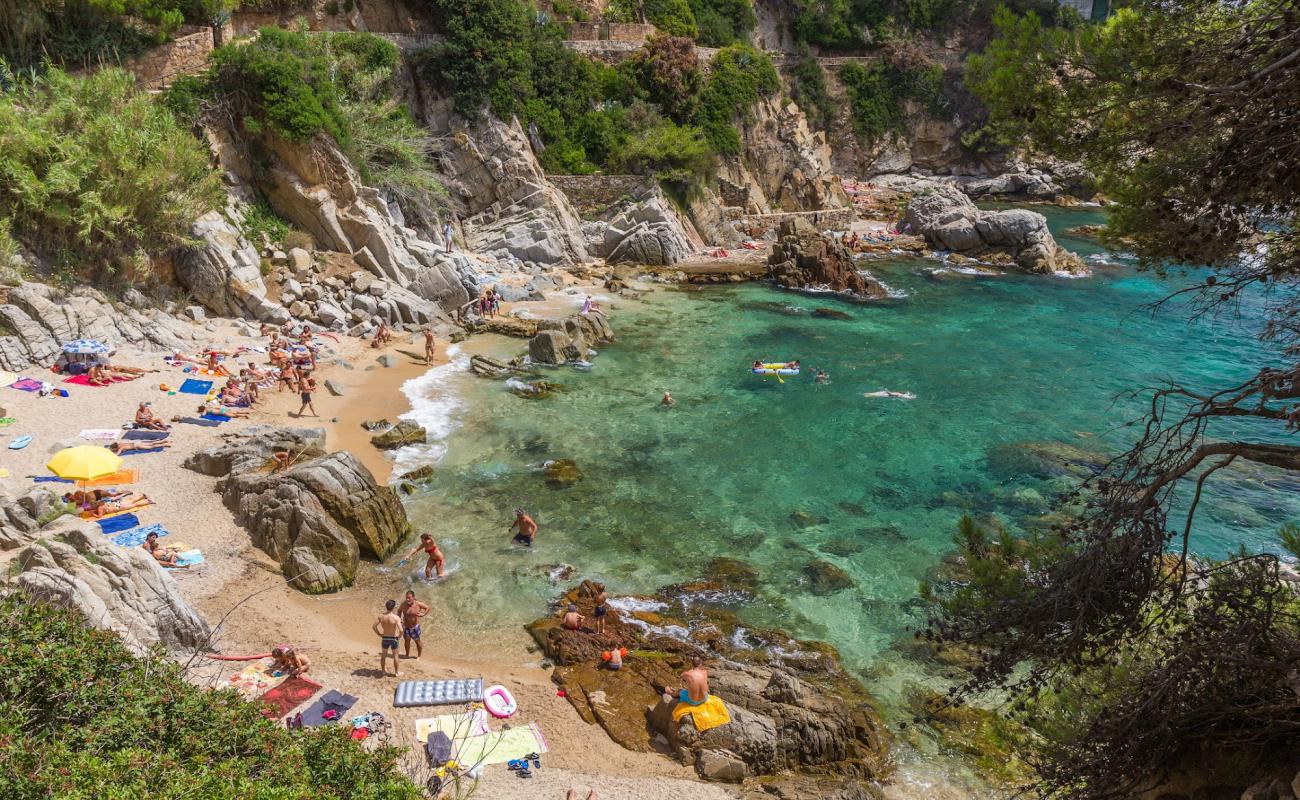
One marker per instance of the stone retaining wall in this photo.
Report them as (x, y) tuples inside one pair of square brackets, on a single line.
[(630, 32), (159, 66), (592, 194)]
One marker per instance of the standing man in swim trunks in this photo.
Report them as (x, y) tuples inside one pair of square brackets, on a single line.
[(601, 610), (527, 528), (412, 611), (388, 628), (428, 345)]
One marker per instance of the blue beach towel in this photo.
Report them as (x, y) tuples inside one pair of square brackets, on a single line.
[(135, 536), (207, 423), (217, 418), (51, 479), (145, 436), (190, 558), (119, 523), (192, 386), (143, 452)]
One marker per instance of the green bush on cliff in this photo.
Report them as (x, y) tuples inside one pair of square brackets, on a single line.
[(810, 90), (739, 76), (83, 717), (877, 93), (96, 175), (673, 17), (723, 22)]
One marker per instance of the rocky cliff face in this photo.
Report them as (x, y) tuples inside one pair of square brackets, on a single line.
[(800, 726), (786, 165), (317, 517), (948, 219), (122, 589), (224, 273)]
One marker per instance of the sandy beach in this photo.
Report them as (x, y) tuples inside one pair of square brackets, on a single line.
[(241, 591)]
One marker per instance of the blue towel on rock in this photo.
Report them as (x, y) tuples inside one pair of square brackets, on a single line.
[(119, 523), (135, 536), (192, 386)]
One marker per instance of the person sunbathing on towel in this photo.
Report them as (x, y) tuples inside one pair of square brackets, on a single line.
[(105, 508), (82, 497), (122, 371), (96, 376), (167, 556), (132, 447), (214, 362), (144, 418), (223, 410), (289, 661)]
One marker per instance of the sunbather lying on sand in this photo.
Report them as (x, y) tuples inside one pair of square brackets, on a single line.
[(82, 497), (131, 447), (222, 409), (107, 508), (167, 556)]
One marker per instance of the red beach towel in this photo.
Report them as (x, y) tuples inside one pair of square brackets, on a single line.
[(284, 698)]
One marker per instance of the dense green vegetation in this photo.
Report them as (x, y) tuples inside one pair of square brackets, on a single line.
[(723, 22), (96, 175), (85, 718), (673, 17), (87, 32), (739, 75), (296, 85), (877, 93), (849, 25), (1131, 657)]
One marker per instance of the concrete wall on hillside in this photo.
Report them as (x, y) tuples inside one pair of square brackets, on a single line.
[(186, 53), (592, 194)]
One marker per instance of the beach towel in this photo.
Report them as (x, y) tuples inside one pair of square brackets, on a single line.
[(7, 421), (192, 386), (84, 380), (291, 693), (191, 558), (143, 452), (145, 436), (498, 748), (437, 693), (456, 726), (217, 418), (712, 713), (100, 434), (118, 523), (26, 385), (254, 679), (207, 423), (334, 700), (134, 537), (50, 479)]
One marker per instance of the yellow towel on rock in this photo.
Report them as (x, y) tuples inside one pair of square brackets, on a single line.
[(712, 713)]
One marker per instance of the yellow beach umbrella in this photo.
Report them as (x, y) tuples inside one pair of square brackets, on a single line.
[(84, 463)]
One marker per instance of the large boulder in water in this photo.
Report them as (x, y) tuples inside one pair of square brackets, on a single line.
[(405, 432), (122, 589), (800, 725), (948, 219), (803, 258)]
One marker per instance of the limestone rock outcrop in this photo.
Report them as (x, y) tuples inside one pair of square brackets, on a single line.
[(786, 163), (563, 341), (22, 517), (224, 274), (647, 233), (800, 726), (803, 258), (317, 517), (122, 589), (947, 218), (42, 319)]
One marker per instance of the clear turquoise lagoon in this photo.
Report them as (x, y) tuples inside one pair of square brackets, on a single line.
[(743, 465)]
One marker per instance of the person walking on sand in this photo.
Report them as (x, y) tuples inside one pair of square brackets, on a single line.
[(602, 609), (388, 628), (428, 346), (527, 528), (305, 387), (412, 611), (431, 549)]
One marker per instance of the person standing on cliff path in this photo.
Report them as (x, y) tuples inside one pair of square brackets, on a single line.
[(388, 628), (527, 528), (446, 233)]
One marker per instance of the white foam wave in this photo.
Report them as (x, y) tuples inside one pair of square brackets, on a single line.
[(435, 407), (629, 604)]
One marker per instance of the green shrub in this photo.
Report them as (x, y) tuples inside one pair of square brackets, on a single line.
[(739, 76), (668, 73), (810, 90), (673, 17), (723, 22), (261, 220), (671, 152), (85, 718), (97, 174), (877, 93)]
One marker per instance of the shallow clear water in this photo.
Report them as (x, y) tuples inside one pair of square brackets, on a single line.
[(991, 362)]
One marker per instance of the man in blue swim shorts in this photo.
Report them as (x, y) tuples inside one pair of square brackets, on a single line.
[(696, 683), (412, 611), (388, 628)]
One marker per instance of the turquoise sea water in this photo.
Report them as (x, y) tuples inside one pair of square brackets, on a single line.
[(742, 465)]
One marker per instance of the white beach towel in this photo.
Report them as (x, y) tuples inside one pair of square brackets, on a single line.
[(100, 434)]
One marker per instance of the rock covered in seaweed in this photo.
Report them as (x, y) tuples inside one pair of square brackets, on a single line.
[(801, 726)]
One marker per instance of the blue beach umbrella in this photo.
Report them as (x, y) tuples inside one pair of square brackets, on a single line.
[(86, 347)]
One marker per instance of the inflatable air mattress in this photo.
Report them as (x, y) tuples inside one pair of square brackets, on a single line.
[(437, 693)]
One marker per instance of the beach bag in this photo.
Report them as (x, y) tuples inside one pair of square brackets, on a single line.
[(76, 368), (437, 749)]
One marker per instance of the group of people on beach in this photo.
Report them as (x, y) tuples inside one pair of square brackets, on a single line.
[(400, 623)]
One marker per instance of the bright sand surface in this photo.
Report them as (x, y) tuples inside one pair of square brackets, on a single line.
[(242, 593)]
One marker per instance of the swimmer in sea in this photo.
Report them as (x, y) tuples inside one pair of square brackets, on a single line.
[(822, 377), (668, 401), (888, 393)]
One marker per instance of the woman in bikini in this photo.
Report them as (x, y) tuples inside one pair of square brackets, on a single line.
[(435, 560), (167, 556)]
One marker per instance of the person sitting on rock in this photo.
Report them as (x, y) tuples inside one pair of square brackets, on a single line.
[(696, 685), (572, 620), (144, 418)]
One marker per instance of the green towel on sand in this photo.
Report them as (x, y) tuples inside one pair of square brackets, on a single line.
[(498, 748)]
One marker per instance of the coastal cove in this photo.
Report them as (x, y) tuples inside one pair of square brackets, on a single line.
[(790, 477)]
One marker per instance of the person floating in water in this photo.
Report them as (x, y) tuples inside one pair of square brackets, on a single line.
[(527, 528), (668, 401), (821, 376), (890, 393)]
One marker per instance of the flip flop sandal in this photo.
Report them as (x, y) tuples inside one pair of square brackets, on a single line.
[(531, 757), (514, 764), (537, 762), (523, 773)]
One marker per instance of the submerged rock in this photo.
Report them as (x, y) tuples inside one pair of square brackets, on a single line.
[(561, 473), (800, 726), (831, 313), (731, 572), (1042, 460), (804, 519), (826, 578), (533, 390), (486, 367)]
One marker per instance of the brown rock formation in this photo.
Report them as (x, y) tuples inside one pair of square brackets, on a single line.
[(800, 725), (803, 258)]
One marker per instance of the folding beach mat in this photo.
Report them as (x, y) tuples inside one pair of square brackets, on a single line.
[(192, 386), (437, 693), (121, 522), (333, 700), (145, 436), (498, 748), (291, 693)]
